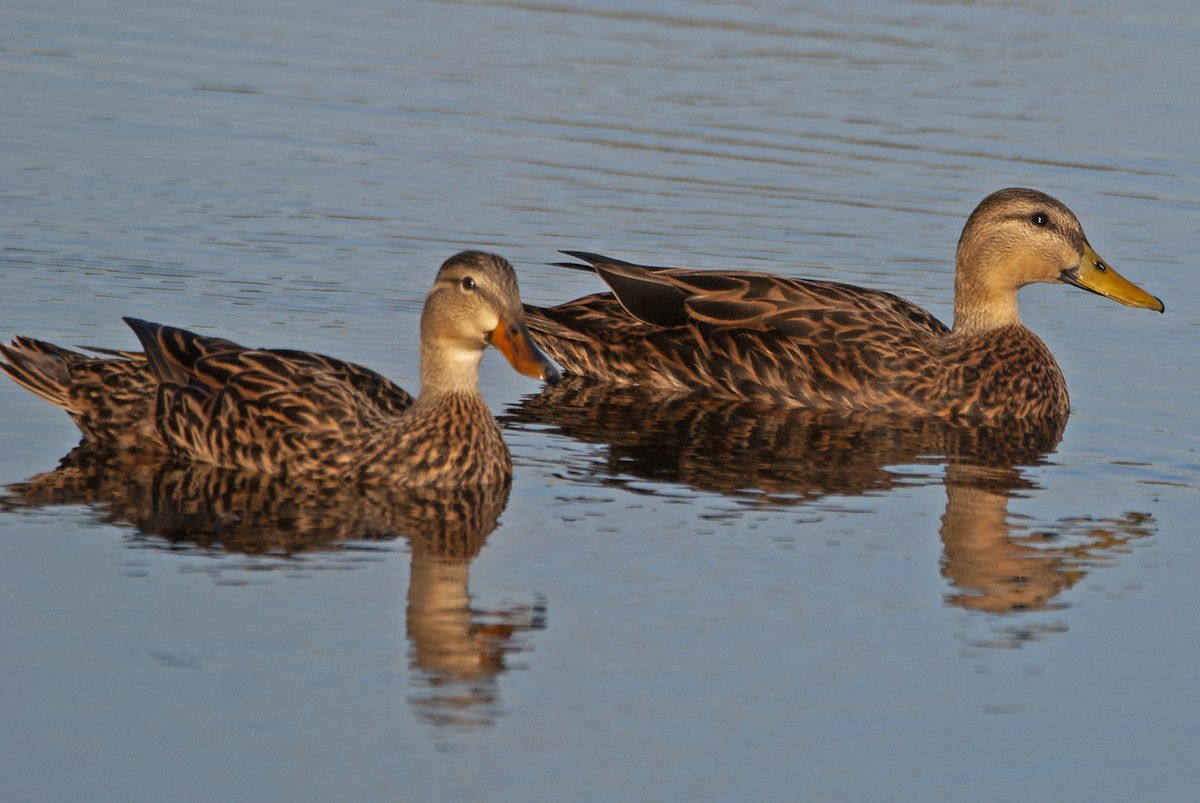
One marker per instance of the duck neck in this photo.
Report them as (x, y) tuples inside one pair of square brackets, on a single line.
[(979, 305), (449, 369), (976, 318)]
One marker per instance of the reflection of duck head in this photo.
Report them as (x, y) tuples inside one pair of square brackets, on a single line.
[(458, 652), (996, 565), (777, 456)]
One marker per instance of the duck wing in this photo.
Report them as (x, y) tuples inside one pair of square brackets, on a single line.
[(739, 334), (272, 410)]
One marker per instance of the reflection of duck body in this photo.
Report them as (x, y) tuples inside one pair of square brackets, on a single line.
[(771, 454), (255, 513), (830, 346), (458, 650), (212, 401), (774, 456)]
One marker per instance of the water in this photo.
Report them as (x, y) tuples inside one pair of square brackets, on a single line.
[(703, 606)]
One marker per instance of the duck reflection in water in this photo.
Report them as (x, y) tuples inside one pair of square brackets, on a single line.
[(765, 455), (457, 652)]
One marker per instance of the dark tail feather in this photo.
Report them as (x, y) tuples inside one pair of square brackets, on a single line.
[(596, 259), (153, 337), (173, 353)]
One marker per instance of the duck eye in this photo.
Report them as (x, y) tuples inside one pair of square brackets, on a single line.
[(1039, 219), (468, 283)]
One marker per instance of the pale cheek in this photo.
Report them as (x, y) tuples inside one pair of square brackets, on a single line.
[(489, 325), (475, 329)]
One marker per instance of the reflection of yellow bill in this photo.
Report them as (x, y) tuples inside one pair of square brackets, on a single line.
[(1094, 274)]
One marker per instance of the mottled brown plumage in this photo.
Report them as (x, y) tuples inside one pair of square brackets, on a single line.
[(830, 346), (288, 412)]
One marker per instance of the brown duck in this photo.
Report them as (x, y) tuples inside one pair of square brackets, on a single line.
[(287, 412), (828, 346)]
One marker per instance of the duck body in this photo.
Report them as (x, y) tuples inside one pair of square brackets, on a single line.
[(830, 346), (823, 346), (289, 412)]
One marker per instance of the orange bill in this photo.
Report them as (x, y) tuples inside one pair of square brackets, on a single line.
[(514, 342)]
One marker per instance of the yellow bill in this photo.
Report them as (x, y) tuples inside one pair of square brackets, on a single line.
[(1095, 275)]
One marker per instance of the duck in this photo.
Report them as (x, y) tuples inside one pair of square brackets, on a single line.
[(835, 347), (297, 413)]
